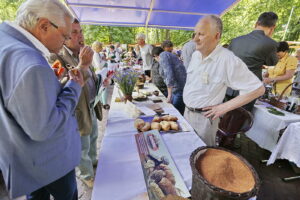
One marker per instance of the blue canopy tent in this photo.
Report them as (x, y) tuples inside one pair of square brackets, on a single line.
[(170, 14)]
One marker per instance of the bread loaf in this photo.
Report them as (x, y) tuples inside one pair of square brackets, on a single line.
[(139, 123), (174, 126), (155, 126), (165, 125), (156, 119), (146, 127), (169, 118)]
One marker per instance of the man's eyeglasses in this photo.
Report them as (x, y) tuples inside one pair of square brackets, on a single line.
[(55, 26)]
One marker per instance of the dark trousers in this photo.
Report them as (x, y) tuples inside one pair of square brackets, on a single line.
[(177, 101), (64, 188)]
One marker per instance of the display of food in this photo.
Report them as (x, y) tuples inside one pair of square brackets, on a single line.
[(156, 92), (225, 170), (140, 97), (155, 126), (164, 123)]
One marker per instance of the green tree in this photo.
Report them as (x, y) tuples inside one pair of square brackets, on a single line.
[(241, 18)]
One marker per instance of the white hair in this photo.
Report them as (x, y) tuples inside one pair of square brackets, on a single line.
[(96, 44), (31, 10), (215, 21), (140, 36)]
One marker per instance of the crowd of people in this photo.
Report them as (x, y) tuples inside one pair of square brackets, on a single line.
[(49, 120)]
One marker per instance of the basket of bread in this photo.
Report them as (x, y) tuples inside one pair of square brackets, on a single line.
[(167, 123)]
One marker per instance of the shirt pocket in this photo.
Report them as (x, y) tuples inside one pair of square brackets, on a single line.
[(215, 83)]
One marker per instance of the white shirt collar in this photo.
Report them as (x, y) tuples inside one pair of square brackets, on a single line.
[(31, 38), (69, 50), (213, 54)]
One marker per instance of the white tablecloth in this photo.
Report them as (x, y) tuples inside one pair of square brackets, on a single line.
[(266, 126), (288, 146), (119, 174)]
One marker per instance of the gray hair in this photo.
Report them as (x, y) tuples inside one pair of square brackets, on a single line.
[(31, 10), (140, 36), (298, 50), (216, 22), (96, 44)]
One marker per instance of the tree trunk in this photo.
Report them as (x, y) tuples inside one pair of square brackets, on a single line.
[(168, 34)]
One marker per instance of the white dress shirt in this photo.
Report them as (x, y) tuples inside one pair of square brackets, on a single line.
[(208, 78), (146, 54), (40, 46)]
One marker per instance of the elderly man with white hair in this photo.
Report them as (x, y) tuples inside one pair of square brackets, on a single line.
[(212, 69), (145, 50), (40, 144)]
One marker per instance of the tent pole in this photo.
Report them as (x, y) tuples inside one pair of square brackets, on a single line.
[(287, 26), (147, 35)]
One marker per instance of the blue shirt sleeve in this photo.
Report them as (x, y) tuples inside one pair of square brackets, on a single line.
[(165, 61), (40, 105)]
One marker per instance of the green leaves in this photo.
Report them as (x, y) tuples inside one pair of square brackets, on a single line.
[(241, 18)]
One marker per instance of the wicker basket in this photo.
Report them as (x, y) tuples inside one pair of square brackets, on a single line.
[(203, 190), (276, 102)]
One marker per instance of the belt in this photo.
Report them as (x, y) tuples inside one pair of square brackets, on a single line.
[(198, 110)]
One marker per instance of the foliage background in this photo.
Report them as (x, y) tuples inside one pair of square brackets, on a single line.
[(237, 21)]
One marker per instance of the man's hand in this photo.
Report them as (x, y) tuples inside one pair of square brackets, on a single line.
[(215, 111), (76, 75), (268, 80), (85, 57), (106, 82)]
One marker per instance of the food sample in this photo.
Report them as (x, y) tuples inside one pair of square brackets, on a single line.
[(146, 127), (139, 123), (174, 126), (225, 170), (156, 119), (166, 126), (169, 118), (58, 68), (156, 93), (155, 126)]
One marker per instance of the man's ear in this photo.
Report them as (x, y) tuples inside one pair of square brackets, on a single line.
[(218, 36), (43, 25)]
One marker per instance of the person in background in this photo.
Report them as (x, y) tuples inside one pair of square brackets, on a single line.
[(256, 49), (187, 51), (118, 48), (157, 73), (167, 45), (113, 56), (99, 62), (297, 75), (131, 53), (86, 113), (40, 144), (212, 69), (282, 74), (99, 58), (174, 75), (145, 52)]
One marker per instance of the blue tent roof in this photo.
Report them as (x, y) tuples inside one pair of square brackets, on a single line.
[(173, 14)]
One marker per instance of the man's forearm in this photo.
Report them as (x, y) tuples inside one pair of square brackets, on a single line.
[(170, 91), (243, 99)]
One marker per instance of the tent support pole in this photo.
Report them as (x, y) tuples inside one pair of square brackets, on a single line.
[(287, 26)]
